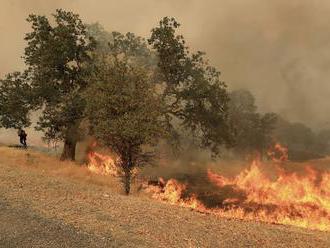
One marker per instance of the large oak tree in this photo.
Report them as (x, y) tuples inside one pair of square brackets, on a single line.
[(57, 58), (195, 97)]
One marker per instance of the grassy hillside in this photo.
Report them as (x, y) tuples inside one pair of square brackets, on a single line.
[(72, 197)]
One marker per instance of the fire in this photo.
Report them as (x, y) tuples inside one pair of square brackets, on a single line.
[(102, 164), (291, 199), (107, 165), (278, 153), (172, 192)]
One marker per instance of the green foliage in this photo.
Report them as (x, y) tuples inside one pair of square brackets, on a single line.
[(172, 53), (15, 101), (132, 92), (252, 131), (125, 113), (128, 120), (128, 47), (58, 58), (127, 107), (62, 120), (101, 36), (194, 95)]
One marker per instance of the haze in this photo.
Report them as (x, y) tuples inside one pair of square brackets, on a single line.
[(280, 50)]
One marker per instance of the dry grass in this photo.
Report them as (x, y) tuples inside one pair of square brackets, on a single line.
[(70, 194), (52, 166)]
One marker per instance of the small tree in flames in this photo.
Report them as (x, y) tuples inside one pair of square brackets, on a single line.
[(124, 113)]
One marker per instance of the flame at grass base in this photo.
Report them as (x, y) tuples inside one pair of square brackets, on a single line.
[(290, 199), (302, 201), (102, 164), (105, 165)]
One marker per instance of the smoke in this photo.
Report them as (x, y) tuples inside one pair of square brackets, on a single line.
[(277, 49)]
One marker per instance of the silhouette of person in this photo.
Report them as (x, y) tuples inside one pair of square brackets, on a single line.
[(22, 137)]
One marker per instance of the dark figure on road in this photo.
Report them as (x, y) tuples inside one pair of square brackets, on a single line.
[(22, 137)]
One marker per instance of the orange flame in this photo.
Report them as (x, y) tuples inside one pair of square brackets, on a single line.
[(102, 164), (105, 164), (278, 153), (291, 199), (173, 192)]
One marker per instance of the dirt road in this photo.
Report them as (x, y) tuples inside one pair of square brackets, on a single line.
[(22, 227), (41, 206)]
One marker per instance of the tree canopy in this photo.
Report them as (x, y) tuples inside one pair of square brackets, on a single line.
[(57, 57), (194, 95), (252, 131), (132, 93), (15, 101), (128, 117)]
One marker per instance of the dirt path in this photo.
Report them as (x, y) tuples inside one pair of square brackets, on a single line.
[(41, 208)]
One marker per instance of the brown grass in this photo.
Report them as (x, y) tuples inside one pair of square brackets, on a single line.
[(71, 195), (52, 166)]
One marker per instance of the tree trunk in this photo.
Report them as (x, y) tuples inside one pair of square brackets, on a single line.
[(127, 180), (69, 150)]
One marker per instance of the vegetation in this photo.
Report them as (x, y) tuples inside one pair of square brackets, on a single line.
[(251, 130), (133, 93), (193, 93), (14, 101), (197, 101), (303, 143), (57, 58), (128, 116)]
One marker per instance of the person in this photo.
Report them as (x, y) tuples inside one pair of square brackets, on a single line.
[(22, 137)]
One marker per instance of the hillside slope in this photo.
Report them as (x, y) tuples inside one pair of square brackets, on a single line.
[(46, 203)]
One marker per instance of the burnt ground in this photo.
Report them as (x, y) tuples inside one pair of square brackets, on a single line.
[(41, 207)]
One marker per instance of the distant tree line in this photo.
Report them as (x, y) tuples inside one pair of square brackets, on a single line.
[(256, 132), (252, 131)]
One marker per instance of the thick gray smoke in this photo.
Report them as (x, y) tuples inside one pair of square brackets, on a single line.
[(278, 49)]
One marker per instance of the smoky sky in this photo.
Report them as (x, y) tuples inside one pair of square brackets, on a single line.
[(280, 50)]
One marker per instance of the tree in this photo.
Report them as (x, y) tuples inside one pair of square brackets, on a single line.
[(14, 101), (323, 141), (128, 116), (252, 131), (302, 142), (265, 136), (57, 57), (129, 47), (194, 95)]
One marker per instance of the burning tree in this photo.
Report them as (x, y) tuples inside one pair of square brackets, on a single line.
[(124, 112)]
